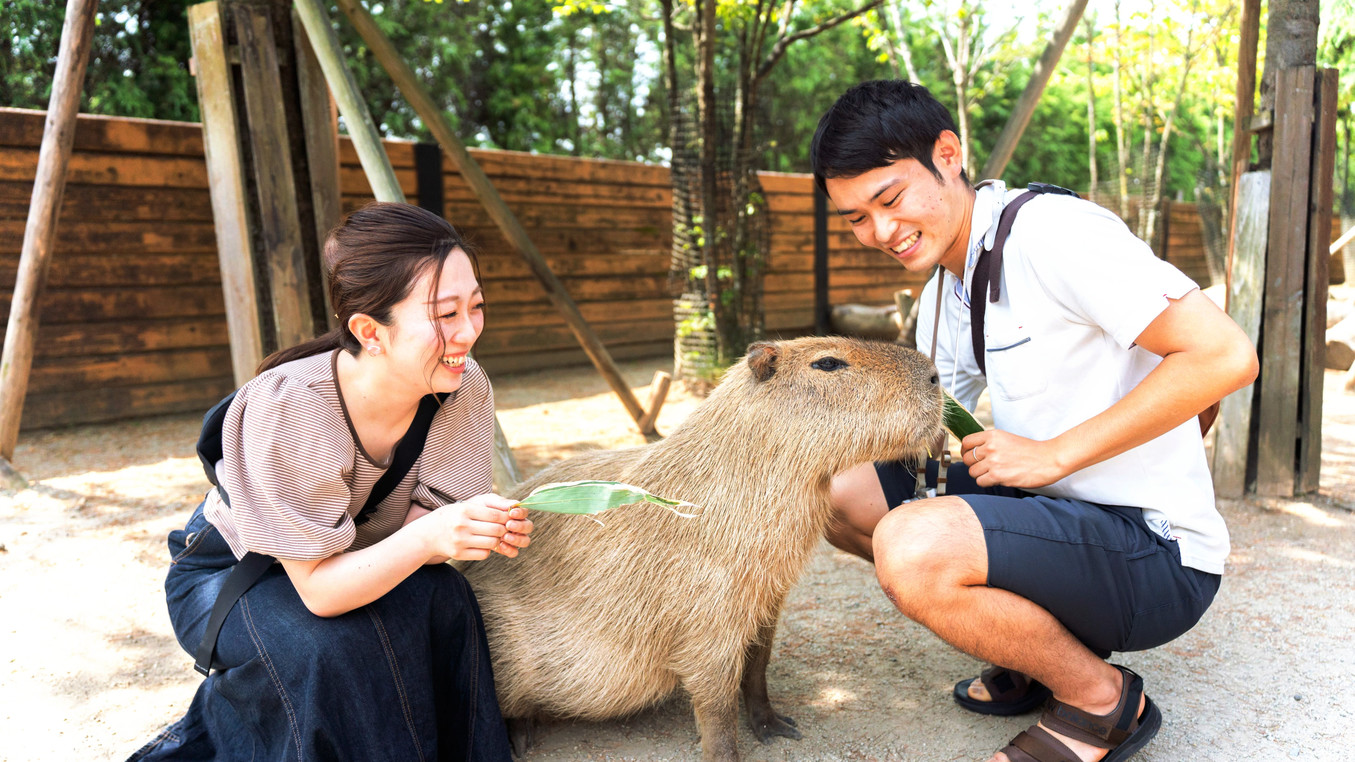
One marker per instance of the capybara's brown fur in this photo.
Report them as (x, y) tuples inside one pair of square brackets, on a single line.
[(594, 622)]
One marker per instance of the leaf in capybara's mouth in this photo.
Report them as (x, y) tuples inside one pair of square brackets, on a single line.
[(958, 420), (590, 497)]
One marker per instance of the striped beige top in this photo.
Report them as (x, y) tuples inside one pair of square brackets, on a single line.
[(297, 474)]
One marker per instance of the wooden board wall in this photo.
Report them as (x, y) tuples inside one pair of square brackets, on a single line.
[(133, 321)]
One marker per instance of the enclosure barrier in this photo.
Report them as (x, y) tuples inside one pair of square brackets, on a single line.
[(133, 321)]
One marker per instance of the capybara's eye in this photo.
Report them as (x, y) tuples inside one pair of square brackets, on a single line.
[(828, 364)]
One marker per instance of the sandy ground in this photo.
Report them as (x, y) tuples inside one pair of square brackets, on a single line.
[(89, 669)]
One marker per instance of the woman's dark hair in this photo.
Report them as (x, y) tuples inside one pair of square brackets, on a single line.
[(876, 123), (372, 260)]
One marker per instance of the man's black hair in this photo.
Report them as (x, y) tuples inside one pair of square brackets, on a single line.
[(875, 124)]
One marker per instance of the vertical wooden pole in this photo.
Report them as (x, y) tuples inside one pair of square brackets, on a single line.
[(58, 137), (226, 176), (1245, 105), (821, 272), (417, 97), (1277, 445), (361, 128), (376, 165), (320, 120), (270, 152), (1315, 292), (1233, 439)]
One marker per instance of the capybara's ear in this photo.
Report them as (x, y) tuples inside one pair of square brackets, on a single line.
[(762, 360)]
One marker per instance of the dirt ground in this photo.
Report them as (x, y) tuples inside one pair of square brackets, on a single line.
[(89, 669)]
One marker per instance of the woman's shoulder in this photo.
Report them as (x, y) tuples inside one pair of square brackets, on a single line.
[(301, 391)]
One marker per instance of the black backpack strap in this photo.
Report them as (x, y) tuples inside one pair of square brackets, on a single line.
[(242, 577), (408, 451), (250, 568), (987, 282), (209, 441)]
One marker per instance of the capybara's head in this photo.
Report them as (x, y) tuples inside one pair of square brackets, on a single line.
[(846, 400)]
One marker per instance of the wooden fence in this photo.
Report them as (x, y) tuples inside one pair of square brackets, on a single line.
[(133, 319)]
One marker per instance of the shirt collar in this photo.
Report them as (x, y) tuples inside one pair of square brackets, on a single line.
[(989, 198)]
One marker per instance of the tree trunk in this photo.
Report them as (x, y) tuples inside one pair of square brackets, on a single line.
[(1160, 171), (1091, 110), (1121, 143), (1291, 40)]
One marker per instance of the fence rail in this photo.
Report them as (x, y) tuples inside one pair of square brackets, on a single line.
[(133, 321)]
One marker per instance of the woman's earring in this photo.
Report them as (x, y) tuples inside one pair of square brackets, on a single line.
[(373, 350)]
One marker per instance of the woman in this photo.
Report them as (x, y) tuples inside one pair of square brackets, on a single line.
[(361, 643)]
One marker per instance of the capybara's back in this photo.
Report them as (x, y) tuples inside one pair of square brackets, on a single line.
[(596, 621)]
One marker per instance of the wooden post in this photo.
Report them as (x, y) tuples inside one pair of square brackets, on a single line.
[(274, 183), (1291, 169), (361, 128), (1006, 142), (821, 272), (320, 119), (226, 176), (1245, 104), (1234, 432), (484, 190), (376, 165), (1315, 292), (58, 137)]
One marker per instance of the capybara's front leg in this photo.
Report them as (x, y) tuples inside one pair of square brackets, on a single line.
[(717, 717), (767, 724)]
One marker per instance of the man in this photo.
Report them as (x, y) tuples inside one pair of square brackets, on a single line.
[(1090, 526)]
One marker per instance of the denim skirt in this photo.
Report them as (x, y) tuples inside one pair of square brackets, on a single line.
[(406, 677)]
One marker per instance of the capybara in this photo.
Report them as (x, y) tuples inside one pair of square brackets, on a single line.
[(599, 621)]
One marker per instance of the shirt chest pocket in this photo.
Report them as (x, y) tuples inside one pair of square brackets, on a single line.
[(1016, 367)]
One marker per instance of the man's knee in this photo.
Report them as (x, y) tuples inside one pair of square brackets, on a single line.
[(925, 548)]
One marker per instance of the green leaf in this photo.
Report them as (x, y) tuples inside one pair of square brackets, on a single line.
[(590, 497), (958, 420)]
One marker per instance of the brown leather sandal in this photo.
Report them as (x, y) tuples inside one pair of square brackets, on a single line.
[(1120, 731), (1011, 693)]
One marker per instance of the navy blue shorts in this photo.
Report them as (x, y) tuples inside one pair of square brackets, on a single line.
[(1112, 581)]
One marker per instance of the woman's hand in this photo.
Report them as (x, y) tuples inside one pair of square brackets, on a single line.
[(473, 528)]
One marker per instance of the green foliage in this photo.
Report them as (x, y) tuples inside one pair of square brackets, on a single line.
[(138, 59)]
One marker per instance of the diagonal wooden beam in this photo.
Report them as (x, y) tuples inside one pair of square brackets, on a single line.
[(1006, 142), (417, 96), (58, 137), (376, 164)]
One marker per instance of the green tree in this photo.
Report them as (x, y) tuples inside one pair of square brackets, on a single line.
[(138, 62)]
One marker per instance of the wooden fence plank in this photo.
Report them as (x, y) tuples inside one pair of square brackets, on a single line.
[(1315, 293), (88, 270), (278, 223), (57, 408), (130, 335), (61, 306), (20, 164), (108, 134), (1233, 439), (1280, 353), (225, 167)]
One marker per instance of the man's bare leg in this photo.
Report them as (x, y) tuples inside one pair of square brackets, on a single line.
[(859, 504), (932, 562)]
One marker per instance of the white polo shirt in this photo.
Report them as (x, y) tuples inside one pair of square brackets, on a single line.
[(1077, 290)]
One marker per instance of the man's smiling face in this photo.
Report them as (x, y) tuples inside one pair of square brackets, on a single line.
[(907, 212)]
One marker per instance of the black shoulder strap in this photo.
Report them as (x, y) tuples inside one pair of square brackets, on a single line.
[(411, 445), (242, 577), (209, 441), (250, 568), (987, 283)]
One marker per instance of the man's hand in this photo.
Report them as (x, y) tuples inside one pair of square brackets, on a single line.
[(1001, 458)]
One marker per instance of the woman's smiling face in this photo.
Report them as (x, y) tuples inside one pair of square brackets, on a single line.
[(434, 329)]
